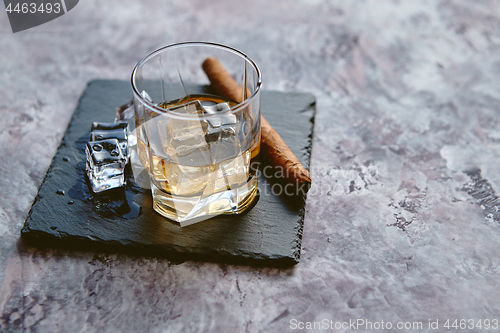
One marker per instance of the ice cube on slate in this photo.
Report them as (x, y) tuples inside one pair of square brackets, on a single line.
[(124, 112), (117, 130), (105, 164)]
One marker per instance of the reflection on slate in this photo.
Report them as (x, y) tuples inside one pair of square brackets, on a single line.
[(65, 213)]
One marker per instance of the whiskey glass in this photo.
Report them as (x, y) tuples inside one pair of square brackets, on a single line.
[(198, 147)]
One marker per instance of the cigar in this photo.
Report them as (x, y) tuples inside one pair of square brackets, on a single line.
[(272, 145)]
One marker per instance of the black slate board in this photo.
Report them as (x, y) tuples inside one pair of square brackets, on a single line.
[(124, 221)]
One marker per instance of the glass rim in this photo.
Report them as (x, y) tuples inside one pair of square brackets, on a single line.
[(153, 107)]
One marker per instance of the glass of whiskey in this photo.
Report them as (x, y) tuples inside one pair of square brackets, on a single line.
[(198, 144)]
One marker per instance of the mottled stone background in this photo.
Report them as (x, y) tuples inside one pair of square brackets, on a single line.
[(402, 223)]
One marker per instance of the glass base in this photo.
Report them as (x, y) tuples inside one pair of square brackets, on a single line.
[(188, 210)]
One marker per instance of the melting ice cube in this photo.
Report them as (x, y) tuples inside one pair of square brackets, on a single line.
[(181, 129), (216, 122), (184, 139), (221, 132), (105, 164), (117, 130)]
